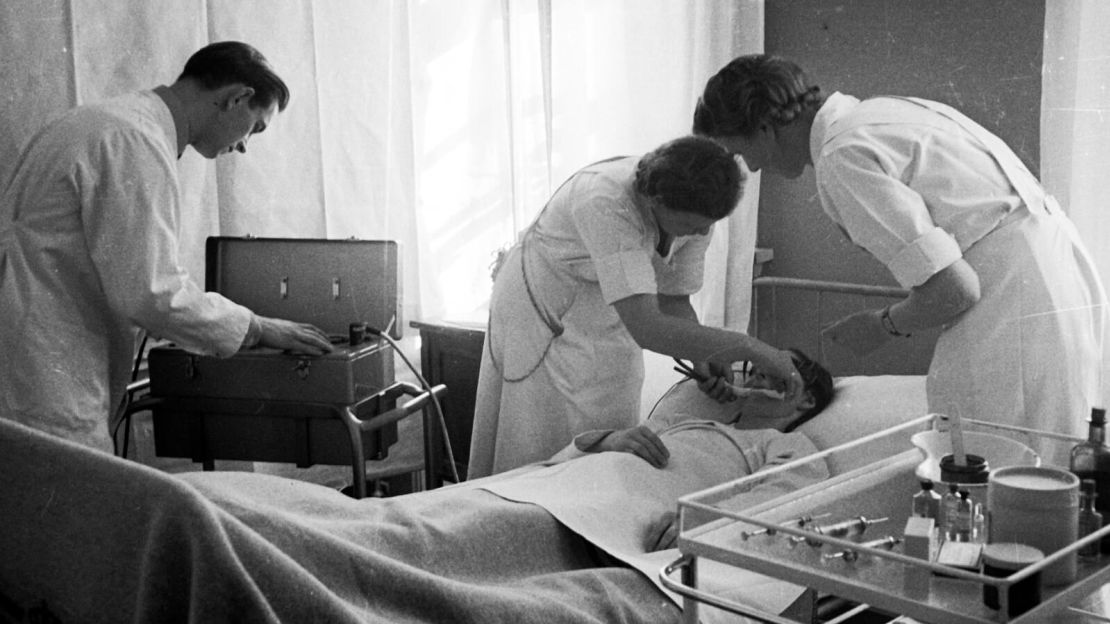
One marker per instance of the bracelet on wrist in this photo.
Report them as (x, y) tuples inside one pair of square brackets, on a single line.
[(888, 324)]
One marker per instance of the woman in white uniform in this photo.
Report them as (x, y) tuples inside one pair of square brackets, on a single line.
[(956, 218), (603, 272)]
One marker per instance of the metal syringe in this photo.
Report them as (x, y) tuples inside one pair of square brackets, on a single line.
[(851, 554), (799, 522), (844, 528)]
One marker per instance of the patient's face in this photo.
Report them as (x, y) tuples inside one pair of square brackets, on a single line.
[(762, 412)]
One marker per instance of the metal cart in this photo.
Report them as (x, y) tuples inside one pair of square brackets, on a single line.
[(879, 578)]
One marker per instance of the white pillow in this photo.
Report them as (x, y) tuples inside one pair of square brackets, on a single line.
[(866, 404)]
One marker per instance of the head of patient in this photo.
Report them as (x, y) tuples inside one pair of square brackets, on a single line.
[(753, 410), (759, 411)]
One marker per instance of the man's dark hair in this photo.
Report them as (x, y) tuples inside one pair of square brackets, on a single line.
[(228, 62), (818, 383)]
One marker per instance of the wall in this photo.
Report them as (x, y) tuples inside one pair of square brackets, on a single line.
[(981, 57)]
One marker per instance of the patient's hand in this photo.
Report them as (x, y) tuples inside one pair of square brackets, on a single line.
[(861, 332), (662, 533), (640, 441)]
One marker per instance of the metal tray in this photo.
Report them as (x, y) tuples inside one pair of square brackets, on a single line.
[(879, 577)]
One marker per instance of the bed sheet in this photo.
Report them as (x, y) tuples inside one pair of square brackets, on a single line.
[(94, 538), (89, 537)]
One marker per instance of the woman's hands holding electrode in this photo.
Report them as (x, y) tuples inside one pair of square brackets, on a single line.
[(719, 384), (780, 366), (716, 381)]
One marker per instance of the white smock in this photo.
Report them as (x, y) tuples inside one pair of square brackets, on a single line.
[(919, 185), (557, 359), (88, 253)]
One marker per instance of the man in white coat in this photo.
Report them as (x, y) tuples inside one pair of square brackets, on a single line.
[(89, 244)]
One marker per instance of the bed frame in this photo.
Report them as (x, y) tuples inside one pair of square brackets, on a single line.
[(790, 312), (778, 302)]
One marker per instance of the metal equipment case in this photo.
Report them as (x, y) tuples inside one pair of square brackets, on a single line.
[(267, 405), (345, 375), (329, 283)]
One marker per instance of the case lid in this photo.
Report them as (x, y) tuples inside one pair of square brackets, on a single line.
[(329, 283)]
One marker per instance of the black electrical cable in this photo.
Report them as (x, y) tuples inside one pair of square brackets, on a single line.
[(427, 388), (673, 388), (125, 400)]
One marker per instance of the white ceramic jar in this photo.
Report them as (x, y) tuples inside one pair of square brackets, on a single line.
[(1037, 506)]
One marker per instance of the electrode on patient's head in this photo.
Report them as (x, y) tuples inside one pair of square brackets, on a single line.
[(742, 370), (739, 392)]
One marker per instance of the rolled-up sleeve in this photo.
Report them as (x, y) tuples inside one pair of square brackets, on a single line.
[(924, 257), (861, 190), (614, 237)]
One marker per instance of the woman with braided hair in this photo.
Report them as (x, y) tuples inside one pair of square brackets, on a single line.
[(605, 271), (958, 220)]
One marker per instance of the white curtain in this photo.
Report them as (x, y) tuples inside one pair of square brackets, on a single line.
[(1075, 152), (511, 96), (443, 124), (1075, 124)]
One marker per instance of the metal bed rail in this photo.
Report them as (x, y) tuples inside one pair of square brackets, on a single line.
[(780, 319)]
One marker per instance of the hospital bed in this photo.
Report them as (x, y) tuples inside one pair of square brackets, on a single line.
[(86, 536)]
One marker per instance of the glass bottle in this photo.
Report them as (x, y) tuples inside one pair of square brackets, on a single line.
[(964, 509), (1090, 520), (948, 512), (1091, 460), (926, 503), (979, 525)]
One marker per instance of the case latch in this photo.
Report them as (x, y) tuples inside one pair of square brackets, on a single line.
[(302, 367)]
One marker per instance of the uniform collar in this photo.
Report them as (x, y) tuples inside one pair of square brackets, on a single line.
[(177, 111), (835, 108)]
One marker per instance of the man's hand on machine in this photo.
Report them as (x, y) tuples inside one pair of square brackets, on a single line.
[(292, 336), (640, 441)]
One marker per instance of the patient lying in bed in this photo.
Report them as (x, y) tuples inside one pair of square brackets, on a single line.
[(564, 541), (560, 541)]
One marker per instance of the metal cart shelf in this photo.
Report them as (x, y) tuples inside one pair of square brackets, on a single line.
[(879, 577)]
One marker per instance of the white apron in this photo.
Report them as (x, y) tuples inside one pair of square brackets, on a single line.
[(568, 366), (1029, 353)]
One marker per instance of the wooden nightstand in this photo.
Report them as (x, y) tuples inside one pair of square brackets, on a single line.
[(451, 354)]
